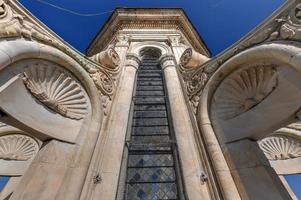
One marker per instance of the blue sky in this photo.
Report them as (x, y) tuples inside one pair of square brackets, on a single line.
[(219, 22)]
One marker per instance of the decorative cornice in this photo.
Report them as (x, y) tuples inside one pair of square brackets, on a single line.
[(135, 18)]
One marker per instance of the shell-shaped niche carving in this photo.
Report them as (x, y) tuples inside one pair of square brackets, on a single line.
[(56, 90), (243, 90), (17, 147), (280, 147)]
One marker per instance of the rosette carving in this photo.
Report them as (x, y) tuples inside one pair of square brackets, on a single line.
[(56, 90), (17, 147)]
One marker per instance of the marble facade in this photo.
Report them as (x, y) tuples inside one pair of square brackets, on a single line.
[(65, 117)]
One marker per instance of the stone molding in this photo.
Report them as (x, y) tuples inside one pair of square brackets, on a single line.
[(122, 19)]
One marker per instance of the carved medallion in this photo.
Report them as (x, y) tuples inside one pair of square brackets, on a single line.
[(244, 89), (17, 147), (56, 90), (280, 147)]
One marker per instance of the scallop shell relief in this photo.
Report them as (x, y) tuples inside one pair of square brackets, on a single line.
[(17, 147), (280, 147), (243, 90), (56, 90)]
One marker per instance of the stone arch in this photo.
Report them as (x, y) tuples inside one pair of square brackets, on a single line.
[(150, 51), (136, 48), (19, 51), (65, 160), (279, 54), (275, 107)]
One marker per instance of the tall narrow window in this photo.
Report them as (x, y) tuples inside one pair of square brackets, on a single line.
[(152, 167)]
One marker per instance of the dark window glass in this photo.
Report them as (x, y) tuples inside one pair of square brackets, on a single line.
[(151, 168)]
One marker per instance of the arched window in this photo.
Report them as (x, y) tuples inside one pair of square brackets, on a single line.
[(153, 170)]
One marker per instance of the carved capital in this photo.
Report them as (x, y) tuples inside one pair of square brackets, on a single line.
[(122, 41), (167, 60), (132, 60)]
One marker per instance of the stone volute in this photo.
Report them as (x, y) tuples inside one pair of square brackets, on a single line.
[(108, 58), (192, 59)]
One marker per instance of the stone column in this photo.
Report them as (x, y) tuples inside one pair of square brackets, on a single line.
[(187, 148), (252, 173), (116, 132)]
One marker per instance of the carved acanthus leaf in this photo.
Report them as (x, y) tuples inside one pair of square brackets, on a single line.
[(244, 89), (104, 82), (57, 90), (280, 147), (17, 147)]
